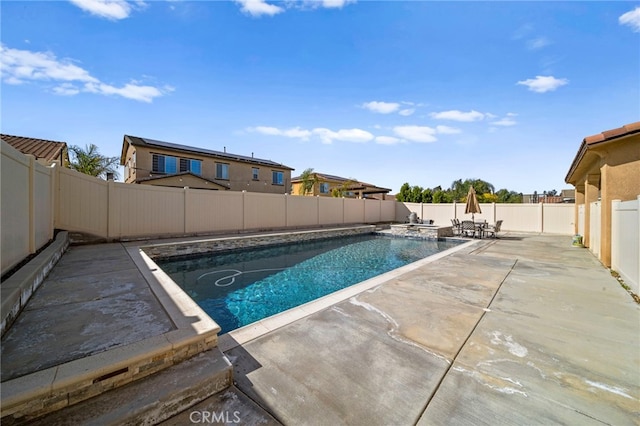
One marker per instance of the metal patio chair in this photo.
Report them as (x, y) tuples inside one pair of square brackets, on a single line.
[(492, 230), (468, 228), (455, 226)]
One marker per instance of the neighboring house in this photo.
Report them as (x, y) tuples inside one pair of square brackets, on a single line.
[(606, 168), (46, 152), (325, 184), (152, 162), (566, 196)]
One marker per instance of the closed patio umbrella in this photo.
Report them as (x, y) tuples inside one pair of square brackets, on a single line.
[(472, 203)]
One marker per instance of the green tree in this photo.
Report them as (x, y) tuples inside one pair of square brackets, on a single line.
[(90, 162), (506, 196), (404, 193), (440, 196), (309, 180)]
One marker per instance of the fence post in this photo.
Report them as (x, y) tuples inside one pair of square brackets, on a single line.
[(52, 190), (185, 210), (32, 201), (541, 217), (455, 210), (112, 211), (244, 210)]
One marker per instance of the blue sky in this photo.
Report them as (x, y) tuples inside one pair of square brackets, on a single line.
[(384, 92)]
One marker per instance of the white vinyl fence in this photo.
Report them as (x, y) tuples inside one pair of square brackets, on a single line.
[(544, 218), (594, 228), (625, 241)]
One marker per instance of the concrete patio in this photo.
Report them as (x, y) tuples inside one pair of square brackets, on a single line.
[(521, 330)]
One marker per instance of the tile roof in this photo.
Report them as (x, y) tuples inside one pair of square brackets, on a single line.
[(606, 136), (138, 141), (39, 148), (355, 184)]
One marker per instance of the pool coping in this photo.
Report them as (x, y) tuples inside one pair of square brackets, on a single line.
[(68, 383), (259, 328)]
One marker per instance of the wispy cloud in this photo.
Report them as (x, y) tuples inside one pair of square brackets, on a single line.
[(542, 84), (407, 112), (325, 135), (505, 122), (421, 134), (335, 4), (632, 19), (446, 130), (257, 8), (388, 140), (381, 107), (538, 43), (22, 66), (109, 9), (456, 115)]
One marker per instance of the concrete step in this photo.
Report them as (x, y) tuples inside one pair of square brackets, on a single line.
[(148, 401)]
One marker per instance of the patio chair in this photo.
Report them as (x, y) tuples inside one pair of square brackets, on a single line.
[(492, 230), (455, 226), (468, 228)]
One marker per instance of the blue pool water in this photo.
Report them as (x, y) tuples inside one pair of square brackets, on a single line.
[(239, 288)]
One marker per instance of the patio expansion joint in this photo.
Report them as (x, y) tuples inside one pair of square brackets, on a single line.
[(455, 357)]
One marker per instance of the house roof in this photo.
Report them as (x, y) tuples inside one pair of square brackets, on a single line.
[(355, 184), (39, 148), (593, 141), (174, 175), (146, 142)]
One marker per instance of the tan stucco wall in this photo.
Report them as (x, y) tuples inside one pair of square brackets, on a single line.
[(240, 173), (610, 171)]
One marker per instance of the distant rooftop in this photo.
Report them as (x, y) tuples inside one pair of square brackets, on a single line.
[(48, 150), (138, 141)]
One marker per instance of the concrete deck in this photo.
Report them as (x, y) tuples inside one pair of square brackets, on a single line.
[(525, 329)]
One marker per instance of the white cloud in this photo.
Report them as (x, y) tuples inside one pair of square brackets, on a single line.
[(504, 122), (109, 9), (259, 7), (21, 66), (387, 140), (381, 107), (446, 130), (347, 135), (295, 132), (456, 115), (66, 89), (542, 84), (632, 19), (407, 112), (416, 133), (538, 43), (336, 4)]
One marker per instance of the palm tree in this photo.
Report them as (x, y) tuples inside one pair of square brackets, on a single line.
[(309, 180), (90, 162)]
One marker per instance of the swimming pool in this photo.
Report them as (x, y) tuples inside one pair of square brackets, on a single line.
[(239, 288)]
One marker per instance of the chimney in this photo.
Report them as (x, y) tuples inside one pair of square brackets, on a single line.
[(225, 149), (252, 155)]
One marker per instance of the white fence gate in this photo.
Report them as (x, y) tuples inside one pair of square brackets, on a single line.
[(625, 241), (594, 228)]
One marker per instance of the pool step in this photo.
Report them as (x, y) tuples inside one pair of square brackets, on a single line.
[(151, 400)]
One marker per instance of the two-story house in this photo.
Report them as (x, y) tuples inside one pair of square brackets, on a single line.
[(153, 162), (325, 185)]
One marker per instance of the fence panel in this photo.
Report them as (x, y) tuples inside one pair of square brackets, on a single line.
[(441, 214), (213, 211), (141, 210), (581, 219), (330, 210), (594, 228), (264, 210), (83, 203), (353, 210), (14, 216), (42, 199), (558, 219), (625, 241), (519, 217), (388, 211), (372, 211), (302, 211)]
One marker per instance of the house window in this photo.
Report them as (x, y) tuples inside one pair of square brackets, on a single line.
[(278, 178), (193, 166), (254, 172), (324, 188), (222, 171), (164, 164)]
